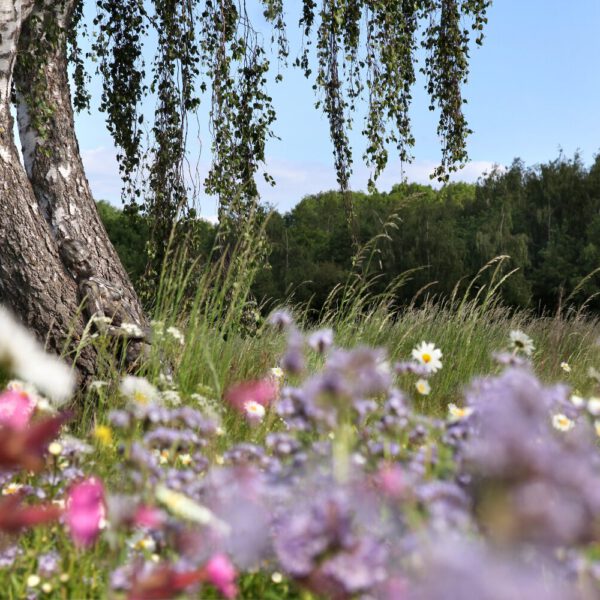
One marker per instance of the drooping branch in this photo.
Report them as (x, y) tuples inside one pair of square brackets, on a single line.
[(363, 49)]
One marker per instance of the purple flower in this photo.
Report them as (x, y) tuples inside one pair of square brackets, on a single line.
[(321, 340)]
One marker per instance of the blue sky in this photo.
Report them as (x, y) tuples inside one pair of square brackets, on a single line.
[(533, 89)]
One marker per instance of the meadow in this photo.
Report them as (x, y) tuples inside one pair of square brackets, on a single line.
[(442, 449)]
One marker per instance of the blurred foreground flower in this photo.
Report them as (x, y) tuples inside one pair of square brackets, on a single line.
[(16, 409), (21, 354), (85, 511), (260, 391), (26, 448), (15, 516)]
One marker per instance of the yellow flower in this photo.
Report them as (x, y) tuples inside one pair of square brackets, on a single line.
[(103, 434), (562, 422), (597, 427), (33, 581)]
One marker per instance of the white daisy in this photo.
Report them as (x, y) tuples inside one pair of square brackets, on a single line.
[(427, 354), (254, 411), (457, 413), (138, 389), (423, 387), (577, 401), (593, 406), (21, 354), (521, 342), (277, 373), (562, 422)]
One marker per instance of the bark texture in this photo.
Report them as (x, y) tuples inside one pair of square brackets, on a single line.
[(52, 158), (33, 281)]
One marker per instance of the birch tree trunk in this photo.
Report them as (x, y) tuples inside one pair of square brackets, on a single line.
[(52, 158), (33, 281)]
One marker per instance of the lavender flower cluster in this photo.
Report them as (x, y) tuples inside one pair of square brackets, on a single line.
[(349, 492)]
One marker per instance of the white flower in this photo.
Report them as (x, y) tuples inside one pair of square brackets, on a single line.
[(254, 411), (277, 373), (186, 508), (427, 354), (33, 581), (132, 330), (185, 459), (597, 427), (593, 406), (138, 389), (176, 334), (577, 401), (97, 385), (142, 541), (566, 367), (423, 387), (521, 342), (21, 354), (562, 422), (456, 413), (101, 320), (171, 397), (158, 328)]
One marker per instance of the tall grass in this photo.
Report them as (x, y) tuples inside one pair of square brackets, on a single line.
[(208, 303)]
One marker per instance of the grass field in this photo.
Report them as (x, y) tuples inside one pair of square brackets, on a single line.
[(326, 473)]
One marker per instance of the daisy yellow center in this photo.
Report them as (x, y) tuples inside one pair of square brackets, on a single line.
[(140, 397), (426, 357)]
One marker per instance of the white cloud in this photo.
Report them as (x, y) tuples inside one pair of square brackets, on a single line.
[(295, 179)]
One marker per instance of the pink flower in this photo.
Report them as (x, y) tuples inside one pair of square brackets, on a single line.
[(148, 516), (16, 409), (391, 480), (221, 573), (261, 391), (85, 511)]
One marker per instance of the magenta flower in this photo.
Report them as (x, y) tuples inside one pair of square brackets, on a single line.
[(16, 409), (221, 573), (260, 391), (148, 516), (85, 511)]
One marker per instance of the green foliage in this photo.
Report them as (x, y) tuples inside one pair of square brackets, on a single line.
[(443, 237), (438, 238)]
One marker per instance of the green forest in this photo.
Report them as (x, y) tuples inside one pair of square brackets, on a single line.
[(545, 217)]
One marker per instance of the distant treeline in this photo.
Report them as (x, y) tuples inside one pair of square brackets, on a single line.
[(547, 218)]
